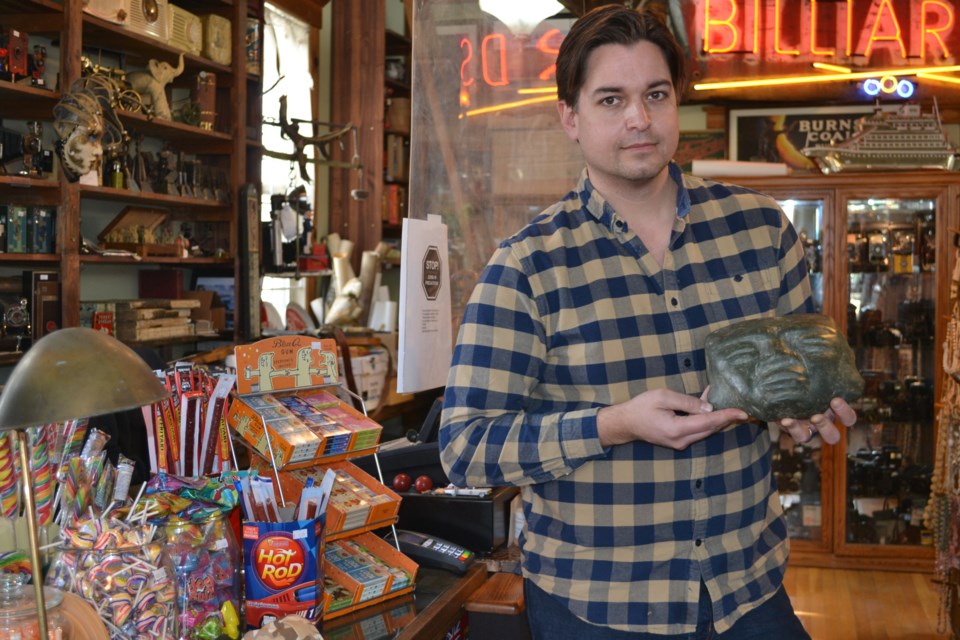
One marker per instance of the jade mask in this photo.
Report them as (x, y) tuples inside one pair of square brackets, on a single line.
[(774, 368)]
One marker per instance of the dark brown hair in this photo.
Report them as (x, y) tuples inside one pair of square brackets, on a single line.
[(613, 24)]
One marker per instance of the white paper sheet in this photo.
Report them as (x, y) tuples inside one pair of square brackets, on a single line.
[(426, 332)]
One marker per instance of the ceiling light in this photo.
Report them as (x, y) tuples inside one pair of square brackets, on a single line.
[(521, 17)]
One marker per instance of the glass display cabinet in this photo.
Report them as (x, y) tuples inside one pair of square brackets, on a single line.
[(879, 249)]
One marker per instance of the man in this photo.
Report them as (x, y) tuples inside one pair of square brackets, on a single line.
[(579, 370)]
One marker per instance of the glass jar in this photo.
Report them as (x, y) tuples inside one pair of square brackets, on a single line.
[(18, 612), (132, 589), (207, 561)]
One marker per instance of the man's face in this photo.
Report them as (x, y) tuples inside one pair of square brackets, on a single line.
[(776, 368), (627, 116)]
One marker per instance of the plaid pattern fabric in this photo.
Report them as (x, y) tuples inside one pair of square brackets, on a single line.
[(572, 314)]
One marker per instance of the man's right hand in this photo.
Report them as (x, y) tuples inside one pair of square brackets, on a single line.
[(663, 417)]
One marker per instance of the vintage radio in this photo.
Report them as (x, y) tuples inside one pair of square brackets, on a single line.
[(186, 30), (216, 38), (115, 11), (149, 17), (13, 51)]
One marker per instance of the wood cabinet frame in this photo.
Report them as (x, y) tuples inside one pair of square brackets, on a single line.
[(835, 191)]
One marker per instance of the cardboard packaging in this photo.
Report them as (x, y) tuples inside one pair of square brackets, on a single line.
[(282, 411), (211, 308), (358, 503)]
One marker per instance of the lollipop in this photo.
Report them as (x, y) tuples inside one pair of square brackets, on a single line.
[(9, 487), (41, 467)]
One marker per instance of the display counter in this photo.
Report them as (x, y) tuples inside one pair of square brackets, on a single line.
[(435, 606)]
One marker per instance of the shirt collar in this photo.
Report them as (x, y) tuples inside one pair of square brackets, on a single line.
[(597, 205)]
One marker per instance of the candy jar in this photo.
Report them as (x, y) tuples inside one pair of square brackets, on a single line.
[(206, 559), (18, 612), (132, 588)]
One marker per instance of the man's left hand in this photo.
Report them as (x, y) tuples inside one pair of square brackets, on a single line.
[(824, 424)]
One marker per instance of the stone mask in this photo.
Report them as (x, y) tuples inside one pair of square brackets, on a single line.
[(774, 368)]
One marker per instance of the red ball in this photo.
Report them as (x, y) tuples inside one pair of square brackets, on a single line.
[(423, 484), (401, 481)]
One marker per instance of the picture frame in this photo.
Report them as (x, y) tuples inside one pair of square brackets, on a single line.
[(780, 134), (700, 144)]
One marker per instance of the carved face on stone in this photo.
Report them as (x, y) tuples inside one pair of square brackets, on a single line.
[(776, 368), (291, 627)]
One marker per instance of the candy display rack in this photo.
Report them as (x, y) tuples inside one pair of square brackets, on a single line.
[(287, 414)]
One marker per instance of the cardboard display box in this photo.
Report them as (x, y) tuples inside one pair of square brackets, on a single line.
[(282, 411), (363, 570), (211, 309), (359, 503)]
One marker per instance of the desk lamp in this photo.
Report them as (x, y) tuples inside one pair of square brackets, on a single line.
[(69, 374)]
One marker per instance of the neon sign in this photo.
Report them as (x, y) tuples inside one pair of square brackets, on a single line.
[(491, 62), (905, 31)]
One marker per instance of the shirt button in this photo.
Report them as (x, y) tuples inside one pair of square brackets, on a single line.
[(619, 224), (686, 362), (738, 277), (674, 301), (698, 484), (698, 542)]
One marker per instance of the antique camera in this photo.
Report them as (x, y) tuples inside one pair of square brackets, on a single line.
[(14, 45), (32, 148), (279, 237), (38, 63), (877, 249), (875, 472), (16, 323), (857, 250), (915, 317)]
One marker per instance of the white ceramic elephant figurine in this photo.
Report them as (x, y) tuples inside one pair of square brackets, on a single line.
[(151, 85)]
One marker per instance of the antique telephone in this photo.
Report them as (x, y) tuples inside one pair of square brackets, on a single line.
[(290, 225)]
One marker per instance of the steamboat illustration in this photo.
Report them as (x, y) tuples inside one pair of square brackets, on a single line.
[(902, 139)]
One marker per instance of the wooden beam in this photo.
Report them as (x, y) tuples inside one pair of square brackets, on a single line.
[(357, 73), (310, 11)]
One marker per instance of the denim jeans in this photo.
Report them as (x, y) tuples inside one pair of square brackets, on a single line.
[(775, 618)]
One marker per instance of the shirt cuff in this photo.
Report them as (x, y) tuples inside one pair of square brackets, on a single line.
[(579, 439)]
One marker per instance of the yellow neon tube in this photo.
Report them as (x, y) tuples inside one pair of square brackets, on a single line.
[(508, 105), (826, 66), (830, 77), (938, 77)]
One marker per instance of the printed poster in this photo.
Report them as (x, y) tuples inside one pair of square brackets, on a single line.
[(425, 345)]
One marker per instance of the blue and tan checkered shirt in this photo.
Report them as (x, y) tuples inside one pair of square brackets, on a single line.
[(572, 314)]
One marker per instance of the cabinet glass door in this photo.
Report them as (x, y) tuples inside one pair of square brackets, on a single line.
[(891, 318), (798, 467)]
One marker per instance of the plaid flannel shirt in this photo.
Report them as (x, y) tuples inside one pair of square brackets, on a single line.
[(573, 314)]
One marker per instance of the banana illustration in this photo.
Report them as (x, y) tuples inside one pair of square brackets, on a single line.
[(787, 152)]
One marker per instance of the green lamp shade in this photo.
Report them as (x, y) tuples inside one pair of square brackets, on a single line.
[(76, 373)]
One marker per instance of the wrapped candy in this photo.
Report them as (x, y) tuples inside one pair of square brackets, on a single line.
[(122, 571)]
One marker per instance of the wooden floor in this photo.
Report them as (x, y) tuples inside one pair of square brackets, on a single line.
[(840, 604)]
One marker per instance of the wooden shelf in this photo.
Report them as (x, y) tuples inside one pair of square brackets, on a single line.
[(397, 43), (187, 137), (22, 258), (73, 33), (183, 262), (159, 199), (24, 102)]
